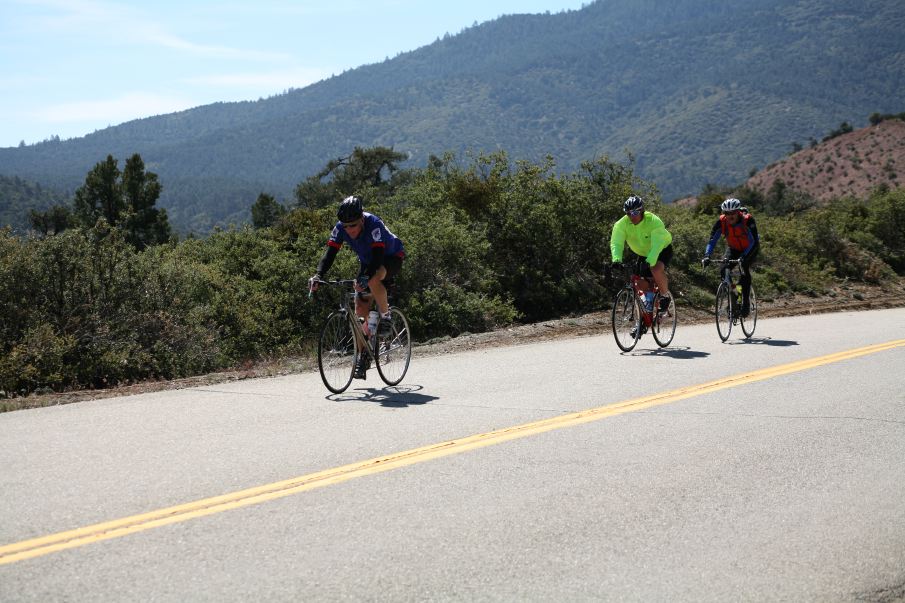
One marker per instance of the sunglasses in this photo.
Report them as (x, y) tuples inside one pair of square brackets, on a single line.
[(634, 212), (351, 225)]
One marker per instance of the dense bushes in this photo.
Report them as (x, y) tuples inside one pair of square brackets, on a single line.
[(802, 251), (487, 243)]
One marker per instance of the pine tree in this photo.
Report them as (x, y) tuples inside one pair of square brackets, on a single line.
[(266, 211), (123, 199)]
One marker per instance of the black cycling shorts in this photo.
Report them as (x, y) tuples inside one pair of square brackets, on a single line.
[(393, 264), (665, 257)]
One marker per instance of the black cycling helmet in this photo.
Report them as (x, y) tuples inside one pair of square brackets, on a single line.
[(730, 205), (350, 209), (633, 203)]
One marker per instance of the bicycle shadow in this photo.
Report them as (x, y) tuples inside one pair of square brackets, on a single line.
[(683, 353), (395, 396), (782, 343)]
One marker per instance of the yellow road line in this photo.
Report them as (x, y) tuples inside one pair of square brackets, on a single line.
[(37, 547)]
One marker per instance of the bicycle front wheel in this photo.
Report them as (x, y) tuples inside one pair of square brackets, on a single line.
[(750, 322), (336, 352), (626, 320), (394, 349), (665, 323), (723, 311)]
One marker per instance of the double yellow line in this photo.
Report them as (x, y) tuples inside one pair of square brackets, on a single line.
[(37, 547)]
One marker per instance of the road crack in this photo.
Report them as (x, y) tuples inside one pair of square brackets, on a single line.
[(889, 594)]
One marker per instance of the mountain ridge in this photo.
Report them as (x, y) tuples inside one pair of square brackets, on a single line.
[(697, 91)]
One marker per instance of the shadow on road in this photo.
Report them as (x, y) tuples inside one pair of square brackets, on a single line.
[(685, 353), (397, 396), (782, 343)]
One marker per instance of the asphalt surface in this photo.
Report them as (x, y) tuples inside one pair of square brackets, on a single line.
[(785, 488)]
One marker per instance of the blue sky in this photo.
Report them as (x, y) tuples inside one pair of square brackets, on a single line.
[(70, 67)]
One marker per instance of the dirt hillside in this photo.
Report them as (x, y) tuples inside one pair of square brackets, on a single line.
[(851, 164)]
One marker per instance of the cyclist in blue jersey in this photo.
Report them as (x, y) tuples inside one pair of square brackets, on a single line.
[(742, 243), (380, 254)]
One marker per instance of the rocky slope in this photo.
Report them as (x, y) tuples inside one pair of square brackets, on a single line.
[(851, 164)]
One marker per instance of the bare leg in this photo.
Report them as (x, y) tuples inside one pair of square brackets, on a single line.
[(378, 294), (379, 291), (659, 272)]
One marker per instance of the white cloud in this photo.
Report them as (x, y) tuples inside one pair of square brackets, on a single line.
[(154, 35), (126, 24), (112, 111)]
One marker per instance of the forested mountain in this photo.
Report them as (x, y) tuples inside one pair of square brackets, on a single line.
[(17, 196), (697, 90)]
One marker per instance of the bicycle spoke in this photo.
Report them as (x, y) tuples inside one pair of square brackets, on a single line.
[(394, 351), (665, 327), (626, 320), (336, 352), (723, 311), (749, 323)]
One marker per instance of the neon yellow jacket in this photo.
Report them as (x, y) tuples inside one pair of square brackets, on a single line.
[(647, 239)]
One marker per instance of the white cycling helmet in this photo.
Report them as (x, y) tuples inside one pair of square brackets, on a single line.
[(730, 205)]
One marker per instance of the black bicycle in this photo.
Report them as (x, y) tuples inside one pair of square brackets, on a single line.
[(728, 310), (343, 339), (633, 315)]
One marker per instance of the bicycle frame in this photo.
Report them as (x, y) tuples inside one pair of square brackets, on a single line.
[(346, 307), (344, 338), (634, 284), (630, 307), (729, 302), (726, 276)]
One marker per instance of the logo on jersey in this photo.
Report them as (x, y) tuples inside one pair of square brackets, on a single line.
[(375, 234)]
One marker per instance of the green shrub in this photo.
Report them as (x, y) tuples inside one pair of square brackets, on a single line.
[(37, 360), (451, 310), (487, 243)]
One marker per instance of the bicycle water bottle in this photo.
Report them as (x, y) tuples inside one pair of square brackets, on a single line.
[(738, 294), (648, 301), (373, 317)]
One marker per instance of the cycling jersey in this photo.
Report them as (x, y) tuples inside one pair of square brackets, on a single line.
[(374, 234), (741, 237), (647, 238)]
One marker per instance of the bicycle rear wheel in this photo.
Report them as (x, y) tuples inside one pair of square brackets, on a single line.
[(664, 327), (626, 320), (394, 349), (723, 311), (749, 323), (336, 352)]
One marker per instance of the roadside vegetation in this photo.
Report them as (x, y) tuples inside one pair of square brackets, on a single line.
[(102, 293)]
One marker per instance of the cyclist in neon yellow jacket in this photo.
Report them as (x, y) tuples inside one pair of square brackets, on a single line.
[(647, 236)]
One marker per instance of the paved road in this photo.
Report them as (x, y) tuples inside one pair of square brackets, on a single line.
[(776, 487)]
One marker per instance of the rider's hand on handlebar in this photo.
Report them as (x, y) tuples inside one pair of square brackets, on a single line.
[(314, 282), (618, 266), (705, 261)]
